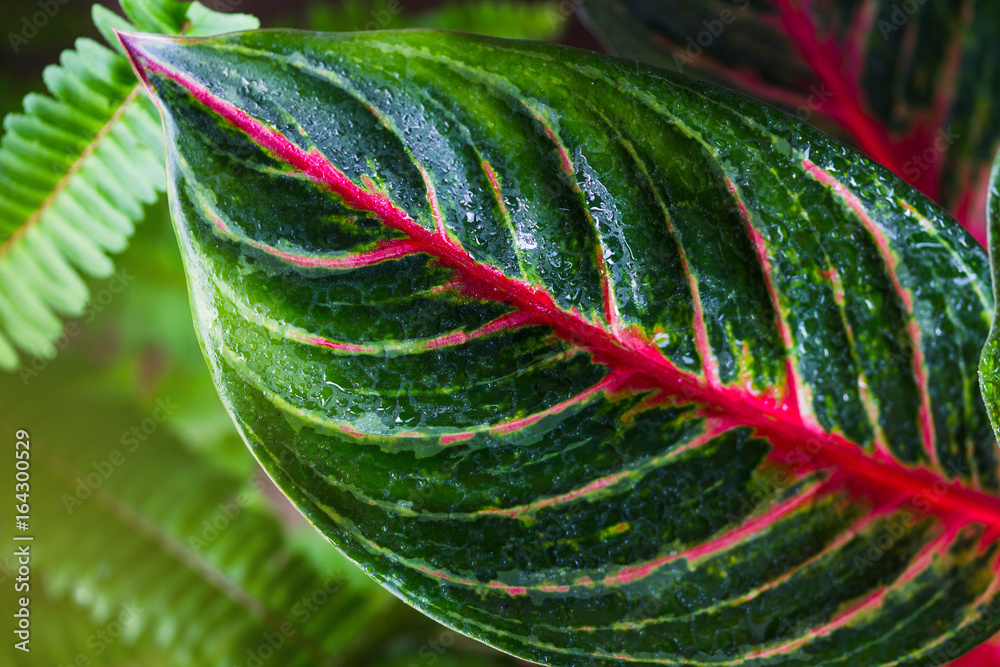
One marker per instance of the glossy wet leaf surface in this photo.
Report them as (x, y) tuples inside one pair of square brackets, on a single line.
[(592, 362)]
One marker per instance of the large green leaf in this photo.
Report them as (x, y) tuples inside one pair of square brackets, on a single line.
[(590, 361), (913, 84)]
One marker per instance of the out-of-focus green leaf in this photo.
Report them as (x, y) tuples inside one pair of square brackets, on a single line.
[(513, 19)]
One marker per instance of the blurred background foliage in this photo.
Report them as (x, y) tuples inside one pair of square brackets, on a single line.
[(158, 541)]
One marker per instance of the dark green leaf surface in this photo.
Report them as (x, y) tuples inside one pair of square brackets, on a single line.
[(913, 84), (590, 361)]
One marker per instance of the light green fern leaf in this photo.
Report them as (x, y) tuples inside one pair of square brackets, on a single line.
[(77, 168)]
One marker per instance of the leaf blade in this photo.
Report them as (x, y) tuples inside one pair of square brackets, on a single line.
[(416, 461)]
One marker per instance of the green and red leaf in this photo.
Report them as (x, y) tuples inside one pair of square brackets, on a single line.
[(912, 84), (590, 361)]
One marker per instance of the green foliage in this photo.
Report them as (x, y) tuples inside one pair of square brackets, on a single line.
[(497, 18), (578, 355), (545, 378), (77, 168), (129, 570), (989, 365)]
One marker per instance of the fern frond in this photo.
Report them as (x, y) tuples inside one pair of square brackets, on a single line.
[(194, 552), (73, 635), (77, 168), (192, 548)]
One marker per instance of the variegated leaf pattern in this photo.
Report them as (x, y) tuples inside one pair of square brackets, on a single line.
[(912, 83), (590, 361)]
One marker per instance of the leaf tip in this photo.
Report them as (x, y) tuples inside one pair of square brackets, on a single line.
[(139, 57), (131, 42)]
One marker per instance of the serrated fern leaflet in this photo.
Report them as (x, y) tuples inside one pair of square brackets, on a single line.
[(64, 203), (586, 360)]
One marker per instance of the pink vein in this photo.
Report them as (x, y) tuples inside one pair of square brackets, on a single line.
[(609, 383), (505, 322), (604, 482), (921, 562), (797, 394), (721, 543), (383, 250), (912, 328)]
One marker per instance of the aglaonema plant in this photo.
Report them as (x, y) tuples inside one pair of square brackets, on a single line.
[(595, 363), (912, 84)]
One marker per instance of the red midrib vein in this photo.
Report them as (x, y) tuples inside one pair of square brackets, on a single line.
[(626, 353)]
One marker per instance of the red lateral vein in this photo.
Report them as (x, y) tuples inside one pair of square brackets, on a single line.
[(720, 543), (319, 341), (565, 162), (634, 573), (509, 321), (506, 322), (610, 303), (432, 199), (921, 562), (608, 384), (383, 251), (611, 315), (709, 364), (628, 352), (798, 395), (842, 539), (890, 261), (602, 483)]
